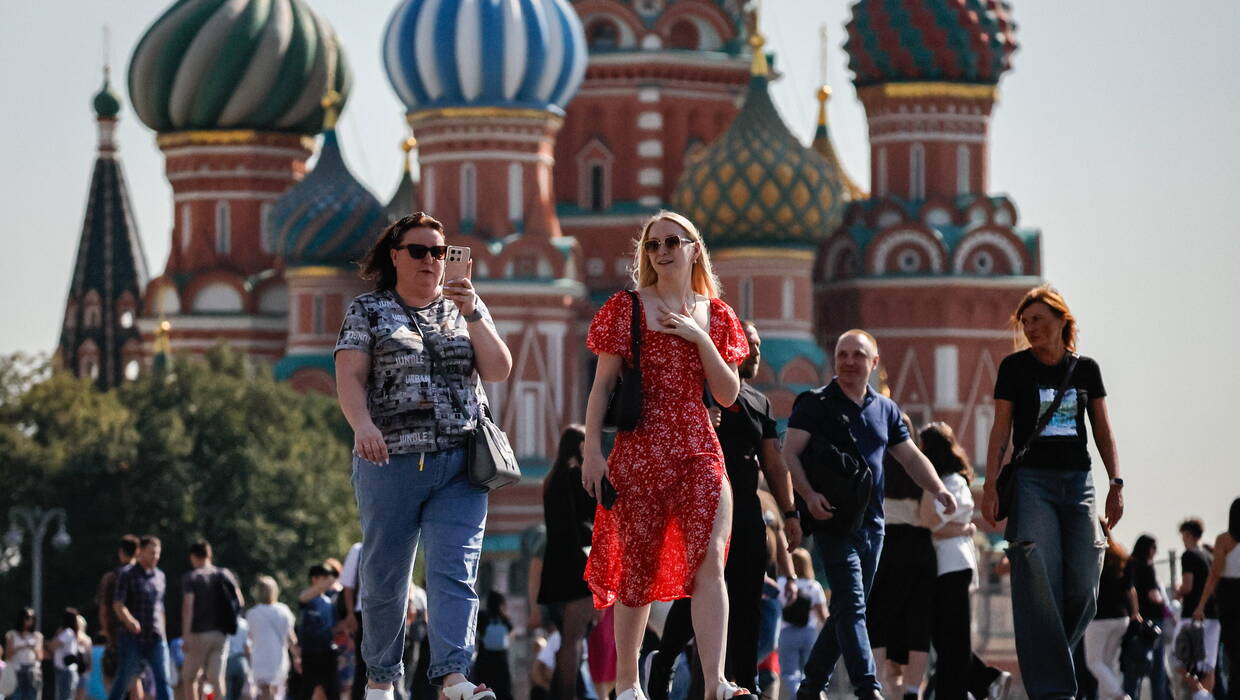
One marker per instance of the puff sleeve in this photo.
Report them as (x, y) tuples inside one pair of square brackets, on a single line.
[(727, 332), (610, 329)]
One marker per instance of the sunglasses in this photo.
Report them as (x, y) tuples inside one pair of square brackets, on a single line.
[(671, 243), (417, 251)]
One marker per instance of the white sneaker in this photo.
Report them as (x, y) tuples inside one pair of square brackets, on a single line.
[(998, 688), (380, 694)]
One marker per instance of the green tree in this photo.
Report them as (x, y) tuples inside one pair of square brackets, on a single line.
[(213, 448)]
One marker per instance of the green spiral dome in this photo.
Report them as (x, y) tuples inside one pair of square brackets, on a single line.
[(236, 64)]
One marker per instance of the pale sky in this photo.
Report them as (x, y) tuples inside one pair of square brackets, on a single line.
[(1115, 135)]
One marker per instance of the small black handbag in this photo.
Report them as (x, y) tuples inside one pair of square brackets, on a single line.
[(1005, 485), (624, 408), (489, 459)]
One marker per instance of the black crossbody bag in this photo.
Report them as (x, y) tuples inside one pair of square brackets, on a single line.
[(489, 460), (1005, 485), (624, 407)]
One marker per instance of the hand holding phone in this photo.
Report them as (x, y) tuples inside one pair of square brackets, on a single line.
[(456, 265)]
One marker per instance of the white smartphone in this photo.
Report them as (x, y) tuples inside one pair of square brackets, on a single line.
[(456, 265)]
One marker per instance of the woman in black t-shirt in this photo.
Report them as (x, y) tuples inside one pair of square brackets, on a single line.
[(569, 512), (1152, 605), (1056, 546)]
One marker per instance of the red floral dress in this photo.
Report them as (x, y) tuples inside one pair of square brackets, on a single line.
[(668, 471)]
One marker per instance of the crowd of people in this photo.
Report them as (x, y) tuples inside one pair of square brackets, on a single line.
[(698, 500)]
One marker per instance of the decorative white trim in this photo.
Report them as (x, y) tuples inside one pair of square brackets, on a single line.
[(980, 238), (963, 169), (516, 192), (206, 196), (607, 221), (469, 191), (1005, 281), (912, 136), (716, 95), (675, 58), (457, 135), (205, 174), (917, 172), (895, 119), (650, 148), (838, 247), (457, 156), (648, 95), (881, 168), (920, 239), (961, 333), (273, 151), (650, 177)]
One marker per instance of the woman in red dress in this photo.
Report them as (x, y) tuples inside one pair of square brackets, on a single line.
[(666, 535)]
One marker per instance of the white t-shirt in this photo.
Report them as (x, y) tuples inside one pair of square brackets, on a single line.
[(349, 577), (547, 656), (236, 643), (270, 626), (25, 644), (955, 553), (68, 645), (806, 588)]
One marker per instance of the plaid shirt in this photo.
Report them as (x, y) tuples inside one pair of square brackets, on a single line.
[(142, 592)]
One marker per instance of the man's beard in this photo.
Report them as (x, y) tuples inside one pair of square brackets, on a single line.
[(748, 370)]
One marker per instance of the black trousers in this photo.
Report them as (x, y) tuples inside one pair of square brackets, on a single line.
[(951, 635), (358, 690), (743, 574), (318, 669)]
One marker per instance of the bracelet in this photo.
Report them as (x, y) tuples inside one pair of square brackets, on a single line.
[(791, 514), (475, 316)]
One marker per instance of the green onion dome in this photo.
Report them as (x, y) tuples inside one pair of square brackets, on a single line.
[(757, 184), (107, 104), (236, 64)]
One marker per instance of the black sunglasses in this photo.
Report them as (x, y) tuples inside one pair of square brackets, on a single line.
[(417, 251), (671, 242)]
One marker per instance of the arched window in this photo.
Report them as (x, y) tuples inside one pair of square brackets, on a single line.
[(603, 34), (598, 181), (92, 310), (516, 194), (881, 167), (962, 169), (223, 228), (917, 172), (684, 35), (746, 298), (469, 192), (318, 315)]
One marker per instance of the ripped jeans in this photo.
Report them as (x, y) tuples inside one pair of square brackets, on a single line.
[(1055, 548)]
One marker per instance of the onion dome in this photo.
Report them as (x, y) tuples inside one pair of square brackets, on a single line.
[(966, 41), (485, 53), (107, 104), (241, 64), (757, 184), (329, 218)]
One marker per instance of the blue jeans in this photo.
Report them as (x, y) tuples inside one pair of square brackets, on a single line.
[(1055, 548), (66, 683), (399, 503), (850, 562), (1160, 689), (237, 675), (133, 652), (795, 644), (28, 685)]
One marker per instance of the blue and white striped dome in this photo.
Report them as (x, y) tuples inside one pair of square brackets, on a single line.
[(485, 53)]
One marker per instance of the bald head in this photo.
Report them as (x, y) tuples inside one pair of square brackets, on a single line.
[(856, 357)]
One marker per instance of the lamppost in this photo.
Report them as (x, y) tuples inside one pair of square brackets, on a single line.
[(37, 521)]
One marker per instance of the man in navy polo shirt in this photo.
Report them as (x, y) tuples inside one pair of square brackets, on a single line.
[(850, 560)]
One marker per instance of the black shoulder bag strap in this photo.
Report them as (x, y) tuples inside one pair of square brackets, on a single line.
[(635, 329), (1045, 419)]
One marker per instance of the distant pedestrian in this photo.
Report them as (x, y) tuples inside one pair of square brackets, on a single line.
[(1195, 565), (210, 599), (237, 677), (803, 617), (23, 648), (139, 605), (1224, 583), (272, 639), (494, 629), (315, 636), (67, 656), (1152, 605), (1117, 606), (86, 656), (109, 625)]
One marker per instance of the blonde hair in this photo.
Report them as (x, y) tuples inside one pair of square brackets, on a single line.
[(703, 279), (802, 564), (266, 591)]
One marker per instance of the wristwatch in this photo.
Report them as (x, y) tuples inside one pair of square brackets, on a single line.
[(475, 316), (791, 514), (1117, 482)]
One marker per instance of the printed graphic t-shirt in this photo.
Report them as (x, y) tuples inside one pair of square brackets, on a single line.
[(407, 397), (1031, 386)]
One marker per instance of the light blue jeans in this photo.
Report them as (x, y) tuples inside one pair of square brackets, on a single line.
[(399, 503), (66, 683), (1055, 548), (135, 652)]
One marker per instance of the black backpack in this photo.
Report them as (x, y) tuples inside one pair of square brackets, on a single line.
[(836, 469), (228, 603)]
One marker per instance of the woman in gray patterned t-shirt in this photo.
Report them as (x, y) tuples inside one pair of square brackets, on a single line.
[(402, 349)]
